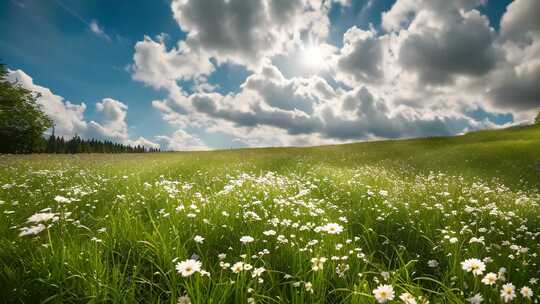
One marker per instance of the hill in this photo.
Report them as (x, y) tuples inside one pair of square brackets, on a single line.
[(439, 219)]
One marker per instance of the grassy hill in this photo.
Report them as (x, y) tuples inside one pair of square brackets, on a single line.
[(355, 223)]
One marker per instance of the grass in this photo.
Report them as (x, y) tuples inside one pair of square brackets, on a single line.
[(114, 227)]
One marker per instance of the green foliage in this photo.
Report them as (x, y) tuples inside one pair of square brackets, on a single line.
[(22, 122), (537, 119)]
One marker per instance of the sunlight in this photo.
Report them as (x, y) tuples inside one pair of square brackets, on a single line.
[(312, 56)]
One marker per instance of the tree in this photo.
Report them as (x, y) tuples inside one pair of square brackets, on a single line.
[(537, 119), (22, 122)]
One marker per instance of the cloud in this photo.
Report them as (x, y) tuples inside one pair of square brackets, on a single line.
[(98, 31), (249, 32), (141, 141), (328, 114), (521, 22), (361, 56), (180, 140), (515, 85), (113, 125), (161, 68), (69, 118), (431, 65), (442, 40)]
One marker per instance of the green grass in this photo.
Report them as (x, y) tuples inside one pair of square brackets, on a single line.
[(132, 218)]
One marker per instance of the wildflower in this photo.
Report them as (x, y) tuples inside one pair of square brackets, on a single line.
[(33, 230), (526, 292), (476, 299), (433, 263), (508, 292), (384, 293), (62, 200), (257, 272), (332, 228), (198, 239), (309, 287), (42, 217), (237, 267), (224, 265), (222, 256), (407, 298), (269, 232), (317, 263), (188, 267), (475, 266), (183, 300), (246, 239), (490, 278)]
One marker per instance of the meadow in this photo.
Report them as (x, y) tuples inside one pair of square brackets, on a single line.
[(437, 220)]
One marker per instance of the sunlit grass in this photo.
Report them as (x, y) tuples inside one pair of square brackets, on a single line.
[(329, 224)]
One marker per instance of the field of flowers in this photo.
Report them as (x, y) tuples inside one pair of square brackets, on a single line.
[(452, 220)]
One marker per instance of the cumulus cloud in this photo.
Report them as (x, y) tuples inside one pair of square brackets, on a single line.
[(180, 140), (249, 32), (361, 56), (341, 115), (113, 124), (422, 74), (158, 67), (69, 118), (515, 85), (441, 40)]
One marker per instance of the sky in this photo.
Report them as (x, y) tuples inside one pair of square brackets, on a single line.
[(218, 74)]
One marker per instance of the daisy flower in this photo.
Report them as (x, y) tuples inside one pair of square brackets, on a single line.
[(508, 292), (198, 239), (475, 266), (246, 239), (188, 267), (476, 299), (384, 293), (526, 292), (490, 278)]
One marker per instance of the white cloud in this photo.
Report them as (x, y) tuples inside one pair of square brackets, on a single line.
[(113, 124), (69, 118), (156, 66), (433, 64), (180, 140)]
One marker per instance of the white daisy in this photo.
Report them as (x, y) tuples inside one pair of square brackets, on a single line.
[(384, 293), (508, 292), (188, 267), (475, 266)]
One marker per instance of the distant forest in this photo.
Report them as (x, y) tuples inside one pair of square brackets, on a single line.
[(57, 144)]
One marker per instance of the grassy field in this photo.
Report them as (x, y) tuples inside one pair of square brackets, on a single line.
[(444, 220)]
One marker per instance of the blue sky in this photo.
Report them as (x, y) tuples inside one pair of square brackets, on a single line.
[(53, 43)]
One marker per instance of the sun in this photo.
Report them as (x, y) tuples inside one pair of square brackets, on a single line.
[(312, 56)]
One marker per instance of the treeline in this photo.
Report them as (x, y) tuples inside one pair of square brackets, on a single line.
[(57, 144)]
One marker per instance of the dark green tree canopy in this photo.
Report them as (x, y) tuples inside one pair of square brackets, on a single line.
[(22, 122)]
